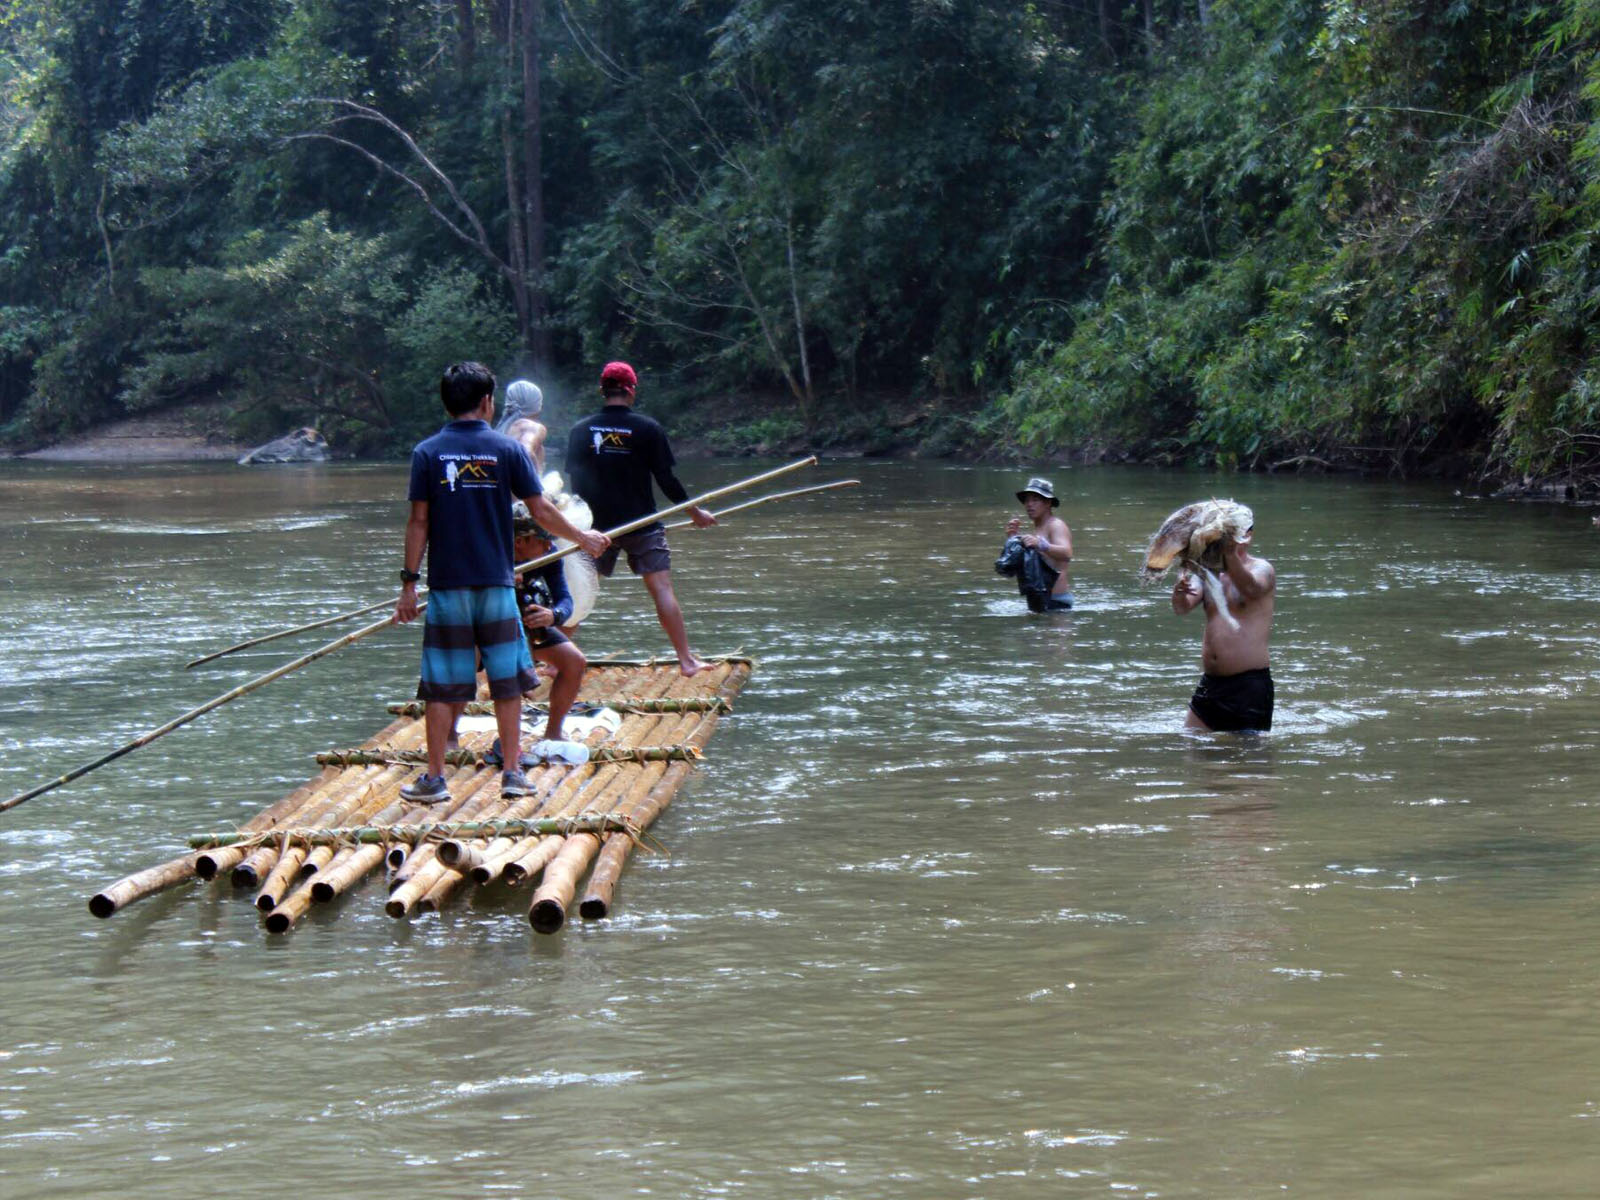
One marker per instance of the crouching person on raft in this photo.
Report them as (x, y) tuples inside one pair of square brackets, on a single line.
[(545, 603)]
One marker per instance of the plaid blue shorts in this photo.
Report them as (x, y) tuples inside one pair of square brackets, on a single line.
[(464, 624)]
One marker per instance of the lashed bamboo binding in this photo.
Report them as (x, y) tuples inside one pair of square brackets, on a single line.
[(327, 835)]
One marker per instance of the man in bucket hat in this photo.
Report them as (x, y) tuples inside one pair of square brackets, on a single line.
[(1051, 539)]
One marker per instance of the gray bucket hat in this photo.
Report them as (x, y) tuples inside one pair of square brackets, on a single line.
[(1041, 487)]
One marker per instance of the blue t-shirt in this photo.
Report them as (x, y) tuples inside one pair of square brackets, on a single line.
[(469, 475)]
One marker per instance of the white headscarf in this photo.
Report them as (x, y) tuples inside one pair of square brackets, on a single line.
[(524, 401)]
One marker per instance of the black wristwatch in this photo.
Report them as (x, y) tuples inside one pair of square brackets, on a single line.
[(409, 576)]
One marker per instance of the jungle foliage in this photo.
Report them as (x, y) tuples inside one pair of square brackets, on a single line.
[(1232, 231)]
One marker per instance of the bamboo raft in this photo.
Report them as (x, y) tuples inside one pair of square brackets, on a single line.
[(340, 826)]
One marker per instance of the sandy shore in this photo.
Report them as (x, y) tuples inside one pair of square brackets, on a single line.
[(187, 435)]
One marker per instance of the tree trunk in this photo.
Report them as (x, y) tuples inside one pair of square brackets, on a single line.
[(466, 33), (533, 183), (517, 274)]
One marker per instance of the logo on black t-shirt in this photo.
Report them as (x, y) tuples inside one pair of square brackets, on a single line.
[(608, 439)]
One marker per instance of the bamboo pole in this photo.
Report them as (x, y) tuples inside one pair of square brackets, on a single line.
[(473, 758), (619, 531), (260, 862), (621, 704), (527, 858), (548, 909), (423, 868), (805, 491), (614, 852), (174, 871)]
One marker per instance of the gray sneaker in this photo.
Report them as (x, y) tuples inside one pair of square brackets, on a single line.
[(426, 789), (514, 783), (492, 757)]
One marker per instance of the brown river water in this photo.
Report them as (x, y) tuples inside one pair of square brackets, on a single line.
[(952, 909)]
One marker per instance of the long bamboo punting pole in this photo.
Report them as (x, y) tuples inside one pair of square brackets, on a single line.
[(768, 499), (629, 527), (614, 852)]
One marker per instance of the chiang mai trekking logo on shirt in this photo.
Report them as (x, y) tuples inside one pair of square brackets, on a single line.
[(607, 439), (470, 471)]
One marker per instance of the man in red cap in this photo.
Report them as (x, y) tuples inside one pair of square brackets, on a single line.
[(611, 459)]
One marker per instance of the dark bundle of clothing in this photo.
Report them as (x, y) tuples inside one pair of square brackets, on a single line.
[(1034, 575), (546, 587)]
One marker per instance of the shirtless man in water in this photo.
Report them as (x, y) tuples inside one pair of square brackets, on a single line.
[(1050, 537), (1235, 693)]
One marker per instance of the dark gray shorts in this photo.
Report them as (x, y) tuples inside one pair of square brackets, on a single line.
[(647, 553)]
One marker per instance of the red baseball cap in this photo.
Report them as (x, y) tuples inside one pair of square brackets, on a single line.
[(618, 374)]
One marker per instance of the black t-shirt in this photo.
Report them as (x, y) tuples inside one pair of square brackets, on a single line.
[(611, 459)]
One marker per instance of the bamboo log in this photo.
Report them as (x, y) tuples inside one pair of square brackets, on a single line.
[(474, 758), (174, 871), (621, 704), (413, 880), (435, 897), (548, 911), (141, 884), (555, 555), (614, 851)]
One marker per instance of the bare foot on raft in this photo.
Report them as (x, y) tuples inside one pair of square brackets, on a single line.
[(692, 666)]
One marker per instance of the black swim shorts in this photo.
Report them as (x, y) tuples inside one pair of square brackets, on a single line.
[(1234, 703), (1046, 601), (647, 553)]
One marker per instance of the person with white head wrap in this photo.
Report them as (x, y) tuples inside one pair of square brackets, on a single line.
[(520, 422)]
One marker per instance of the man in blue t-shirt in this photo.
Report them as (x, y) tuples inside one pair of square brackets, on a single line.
[(463, 481)]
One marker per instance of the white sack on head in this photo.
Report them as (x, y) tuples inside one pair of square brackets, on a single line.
[(1195, 535)]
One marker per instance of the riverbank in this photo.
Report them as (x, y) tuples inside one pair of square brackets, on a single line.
[(174, 435), (900, 427)]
